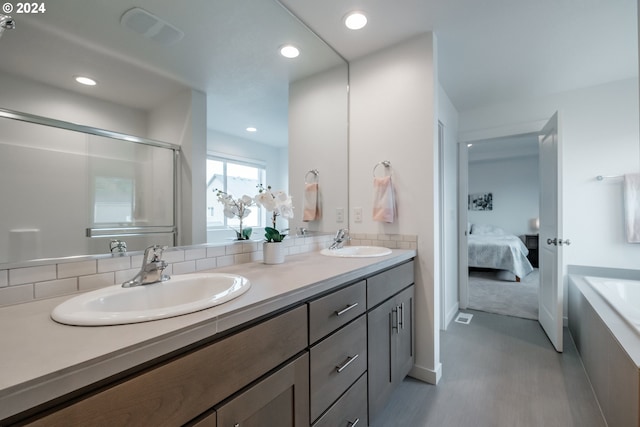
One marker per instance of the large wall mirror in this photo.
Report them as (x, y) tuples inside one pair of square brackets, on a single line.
[(152, 61)]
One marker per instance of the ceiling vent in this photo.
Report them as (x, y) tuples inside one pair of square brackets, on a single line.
[(150, 26)]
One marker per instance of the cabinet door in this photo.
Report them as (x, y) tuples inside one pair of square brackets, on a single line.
[(379, 334), (280, 400), (402, 354)]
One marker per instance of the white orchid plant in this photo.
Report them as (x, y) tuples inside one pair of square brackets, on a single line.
[(279, 204), (236, 208)]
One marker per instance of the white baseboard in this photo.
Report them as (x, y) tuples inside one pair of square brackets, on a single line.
[(451, 314), (427, 375)]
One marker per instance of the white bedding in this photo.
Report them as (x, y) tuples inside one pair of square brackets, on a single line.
[(499, 251)]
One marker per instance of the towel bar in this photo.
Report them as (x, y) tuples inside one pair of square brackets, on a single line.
[(602, 177), (385, 163), (315, 173)]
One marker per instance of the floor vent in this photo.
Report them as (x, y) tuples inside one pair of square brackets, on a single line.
[(464, 318)]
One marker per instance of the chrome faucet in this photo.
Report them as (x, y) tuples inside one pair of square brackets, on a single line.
[(152, 268), (118, 246), (341, 236)]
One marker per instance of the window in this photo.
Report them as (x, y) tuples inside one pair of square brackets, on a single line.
[(236, 178), (113, 202)]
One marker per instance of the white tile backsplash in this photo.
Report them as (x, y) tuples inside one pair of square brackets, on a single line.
[(114, 264), (206, 264), (215, 251), (19, 276), (75, 269), (16, 294), (56, 288), (18, 285), (184, 267), (96, 281), (199, 253)]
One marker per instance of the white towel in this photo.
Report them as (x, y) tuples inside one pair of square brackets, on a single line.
[(632, 207), (311, 208), (384, 201)]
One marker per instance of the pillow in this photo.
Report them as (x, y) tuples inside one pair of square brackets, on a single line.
[(489, 230)]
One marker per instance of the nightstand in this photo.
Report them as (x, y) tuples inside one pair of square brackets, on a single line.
[(531, 242)]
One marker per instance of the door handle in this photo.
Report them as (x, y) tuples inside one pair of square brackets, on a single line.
[(558, 242)]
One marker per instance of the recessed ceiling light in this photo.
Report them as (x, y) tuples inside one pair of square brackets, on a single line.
[(289, 51), (355, 20), (469, 145), (87, 81), (251, 129)]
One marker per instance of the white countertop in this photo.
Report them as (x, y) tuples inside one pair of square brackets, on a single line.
[(41, 359)]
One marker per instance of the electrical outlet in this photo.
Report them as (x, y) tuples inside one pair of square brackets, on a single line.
[(357, 214), (339, 214)]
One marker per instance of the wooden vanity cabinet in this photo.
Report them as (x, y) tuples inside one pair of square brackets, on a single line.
[(332, 361), (390, 334), (178, 391), (338, 354)]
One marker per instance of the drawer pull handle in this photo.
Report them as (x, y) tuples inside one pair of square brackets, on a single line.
[(347, 308), (353, 423), (342, 367)]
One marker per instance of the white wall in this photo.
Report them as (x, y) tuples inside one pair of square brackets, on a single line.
[(515, 187), (182, 120), (448, 116), (318, 140), (32, 97), (397, 122)]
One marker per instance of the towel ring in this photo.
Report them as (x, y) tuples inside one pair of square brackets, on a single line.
[(315, 174), (385, 163)]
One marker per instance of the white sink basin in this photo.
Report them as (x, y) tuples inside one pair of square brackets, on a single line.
[(181, 294), (357, 251)]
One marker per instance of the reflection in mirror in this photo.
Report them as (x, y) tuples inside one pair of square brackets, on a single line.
[(200, 91), (72, 192)]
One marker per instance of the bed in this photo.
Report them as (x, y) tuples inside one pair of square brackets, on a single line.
[(491, 247)]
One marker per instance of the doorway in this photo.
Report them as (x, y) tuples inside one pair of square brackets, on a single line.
[(502, 206)]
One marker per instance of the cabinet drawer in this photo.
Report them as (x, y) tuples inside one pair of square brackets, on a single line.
[(179, 390), (386, 284), (336, 363), (330, 312), (350, 410)]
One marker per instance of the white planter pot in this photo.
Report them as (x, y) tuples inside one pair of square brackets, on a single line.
[(273, 252)]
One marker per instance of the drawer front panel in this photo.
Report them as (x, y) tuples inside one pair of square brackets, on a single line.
[(350, 410), (332, 311), (336, 363), (184, 388), (386, 284)]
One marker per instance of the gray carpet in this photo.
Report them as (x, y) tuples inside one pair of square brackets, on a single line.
[(490, 294)]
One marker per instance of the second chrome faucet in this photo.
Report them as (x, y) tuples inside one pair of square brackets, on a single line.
[(152, 267)]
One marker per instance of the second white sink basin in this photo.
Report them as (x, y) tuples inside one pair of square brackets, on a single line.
[(182, 294), (357, 251)]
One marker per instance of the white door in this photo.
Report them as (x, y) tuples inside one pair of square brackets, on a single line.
[(551, 287), (463, 254)]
